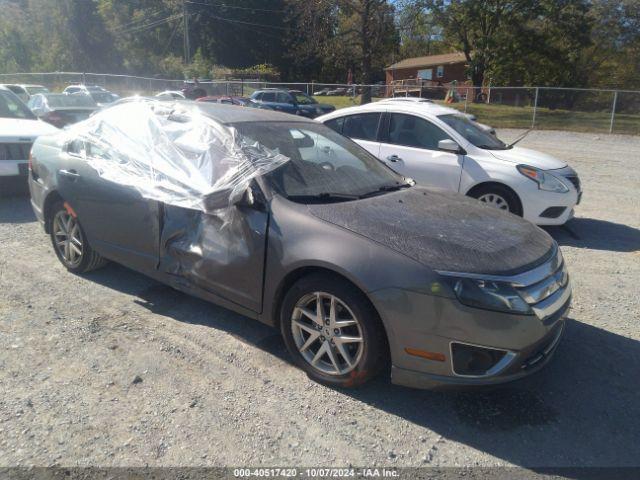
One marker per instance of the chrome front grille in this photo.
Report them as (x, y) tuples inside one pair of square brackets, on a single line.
[(546, 288)]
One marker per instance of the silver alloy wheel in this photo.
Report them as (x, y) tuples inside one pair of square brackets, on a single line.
[(68, 238), (327, 333), (494, 200)]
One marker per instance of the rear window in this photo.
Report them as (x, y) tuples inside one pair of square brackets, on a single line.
[(36, 90), (102, 97), (70, 101)]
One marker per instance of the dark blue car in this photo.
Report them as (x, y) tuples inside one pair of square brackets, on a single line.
[(294, 102)]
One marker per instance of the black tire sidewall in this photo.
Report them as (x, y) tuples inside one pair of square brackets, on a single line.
[(86, 248), (374, 352)]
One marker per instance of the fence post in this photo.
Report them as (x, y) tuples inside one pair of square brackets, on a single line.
[(613, 110), (466, 98), (535, 108)]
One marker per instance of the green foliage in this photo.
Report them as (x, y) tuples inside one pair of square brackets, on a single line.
[(569, 43)]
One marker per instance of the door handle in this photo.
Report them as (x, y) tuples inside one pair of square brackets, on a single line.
[(70, 174), (394, 158)]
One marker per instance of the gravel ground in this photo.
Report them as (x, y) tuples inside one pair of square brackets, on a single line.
[(114, 369)]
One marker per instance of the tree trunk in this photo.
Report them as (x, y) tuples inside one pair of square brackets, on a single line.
[(477, 78)]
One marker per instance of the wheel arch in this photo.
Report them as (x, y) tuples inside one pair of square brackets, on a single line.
[(51, 199), (478, 186), (293, 276)]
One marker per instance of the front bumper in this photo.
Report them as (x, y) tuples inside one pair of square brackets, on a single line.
[(550, 208), (422, 329), (13, 176), (526, 362)]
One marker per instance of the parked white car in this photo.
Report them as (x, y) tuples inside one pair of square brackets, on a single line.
[(19, 128), (99, 94), (24, 91), (439, 147)]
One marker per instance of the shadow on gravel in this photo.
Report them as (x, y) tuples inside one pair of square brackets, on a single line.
[(15, 209), (164, 300), (581, 410), (597, 235)]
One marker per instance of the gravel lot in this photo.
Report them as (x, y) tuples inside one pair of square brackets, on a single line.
[(113, 369)]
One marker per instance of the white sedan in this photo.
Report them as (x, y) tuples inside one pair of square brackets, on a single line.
[(440, 147), (18, 130)]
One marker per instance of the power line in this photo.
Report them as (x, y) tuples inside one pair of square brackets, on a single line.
[(224, 5), (153, 24), (146, 17), (229, 20), (173, 34)]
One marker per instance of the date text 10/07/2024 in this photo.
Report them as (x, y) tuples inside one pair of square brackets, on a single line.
[(316, 473)]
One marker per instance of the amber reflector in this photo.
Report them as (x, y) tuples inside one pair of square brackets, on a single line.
[(438, 357)]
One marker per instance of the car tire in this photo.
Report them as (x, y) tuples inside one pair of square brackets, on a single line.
[(70, 242), (499, 197), (366, 358)]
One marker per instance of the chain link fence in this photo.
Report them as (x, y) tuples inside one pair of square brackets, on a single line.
[(582, 110)]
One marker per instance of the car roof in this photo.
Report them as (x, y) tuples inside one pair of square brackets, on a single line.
[(420, 108), (272, 89), (228, 114)]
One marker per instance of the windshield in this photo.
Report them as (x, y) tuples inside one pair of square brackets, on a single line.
[(76, 100), (12, 107), (472, 133), (303, 99), (324, 166)]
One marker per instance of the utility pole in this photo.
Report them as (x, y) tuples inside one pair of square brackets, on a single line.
[(187, 47)]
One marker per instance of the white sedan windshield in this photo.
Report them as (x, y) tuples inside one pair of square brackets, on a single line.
[(472, 133)]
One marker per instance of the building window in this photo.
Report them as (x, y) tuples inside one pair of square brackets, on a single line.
[(440, 71), (426, 74)]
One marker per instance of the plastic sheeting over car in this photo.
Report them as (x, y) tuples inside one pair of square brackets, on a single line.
[(173, 153)]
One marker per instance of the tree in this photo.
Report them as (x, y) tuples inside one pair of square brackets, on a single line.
[(356, 34), (419, 32), (518, 41)]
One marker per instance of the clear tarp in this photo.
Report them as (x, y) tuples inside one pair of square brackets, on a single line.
[(173, 153)]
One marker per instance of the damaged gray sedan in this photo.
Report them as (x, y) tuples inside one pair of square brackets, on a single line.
[(283, 220)]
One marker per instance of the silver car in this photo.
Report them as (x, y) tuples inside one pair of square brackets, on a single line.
[(354, 264)]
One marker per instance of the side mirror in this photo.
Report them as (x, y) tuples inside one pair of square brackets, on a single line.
[(449, 145), (251, 198)]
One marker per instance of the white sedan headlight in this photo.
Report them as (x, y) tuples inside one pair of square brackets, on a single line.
[(545, 180)]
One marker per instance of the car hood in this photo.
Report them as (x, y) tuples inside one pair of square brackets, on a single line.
[(444, 231), (529, 157), (12, 128)]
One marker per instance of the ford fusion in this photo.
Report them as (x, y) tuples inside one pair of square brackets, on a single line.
[(355, 265)]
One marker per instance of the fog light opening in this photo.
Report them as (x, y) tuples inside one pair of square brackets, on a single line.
[(474, 361)]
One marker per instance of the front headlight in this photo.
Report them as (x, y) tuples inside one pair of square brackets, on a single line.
[(490, 295), (545, 180)]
